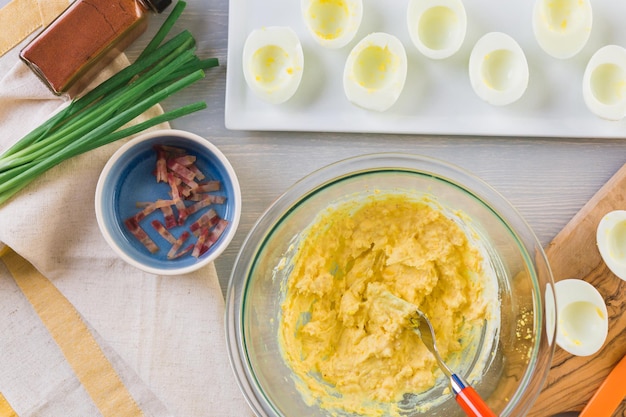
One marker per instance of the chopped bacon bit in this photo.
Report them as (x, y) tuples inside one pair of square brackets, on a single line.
[(158, 226), (205, 202), (208, 219), (140, 216), (148, 209), (145, 212), (177, 244), (197, 172), (161, 166), (185, 160), (208, 238), (160, 203), (217, 231), (187, 186), (178, 201), (133, 227), (181, 252), (216, 199), (179, 170), (215, 234), (204, 234), (186, 189), (172, 181), (168, 215), (176, 180), (155, 204), (182, 214), (208, 186), (195, 197)]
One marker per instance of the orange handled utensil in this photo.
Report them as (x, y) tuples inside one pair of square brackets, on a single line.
[(465, 395), (610, 394)]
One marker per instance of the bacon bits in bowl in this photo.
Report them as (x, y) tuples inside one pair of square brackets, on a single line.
[(168, 202)]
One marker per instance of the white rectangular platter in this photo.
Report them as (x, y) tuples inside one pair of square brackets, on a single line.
[(437, 98)]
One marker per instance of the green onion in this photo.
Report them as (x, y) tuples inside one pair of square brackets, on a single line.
[(98, 117), (164, 29), (94, 117), (24, 175)]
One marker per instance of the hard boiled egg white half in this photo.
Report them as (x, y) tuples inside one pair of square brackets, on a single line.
[(375, 72), (582, 317), (611, 241), (437, 27), (332, 23), (604, 83), (498, 69), (562, 27), (273, 63)]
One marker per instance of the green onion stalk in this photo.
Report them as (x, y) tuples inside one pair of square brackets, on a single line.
[(98, 117)]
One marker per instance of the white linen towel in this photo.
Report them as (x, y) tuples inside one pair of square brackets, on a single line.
[(169, 330)]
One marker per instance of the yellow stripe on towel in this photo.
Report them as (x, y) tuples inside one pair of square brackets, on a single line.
[(20, 18), (50, 9), (5, 408), (93, 369)]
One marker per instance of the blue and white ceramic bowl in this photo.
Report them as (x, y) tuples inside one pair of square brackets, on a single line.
[(128, 178)]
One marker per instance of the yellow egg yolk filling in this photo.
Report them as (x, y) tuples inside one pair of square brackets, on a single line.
[(348, 348)]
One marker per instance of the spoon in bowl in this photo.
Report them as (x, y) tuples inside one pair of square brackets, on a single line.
[(465, 395)]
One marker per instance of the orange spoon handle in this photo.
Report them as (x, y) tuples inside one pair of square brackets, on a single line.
[(468, 398), (472, 404), (610, 394)]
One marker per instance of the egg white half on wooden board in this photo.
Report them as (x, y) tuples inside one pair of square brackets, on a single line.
[(437, 97)]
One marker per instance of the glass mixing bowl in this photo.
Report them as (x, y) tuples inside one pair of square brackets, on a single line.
[(516, 356)]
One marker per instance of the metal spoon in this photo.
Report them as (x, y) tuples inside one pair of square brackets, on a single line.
[(465, 395)]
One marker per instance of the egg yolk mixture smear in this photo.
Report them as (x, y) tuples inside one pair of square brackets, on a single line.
[(352, 348)]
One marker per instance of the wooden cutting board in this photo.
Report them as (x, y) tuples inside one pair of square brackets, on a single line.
[(573, 253)]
